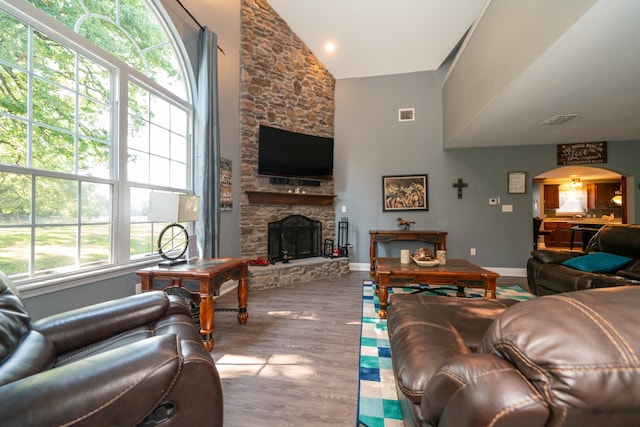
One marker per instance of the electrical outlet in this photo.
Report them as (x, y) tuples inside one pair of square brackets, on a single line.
[(472, 251), (138, 288), (507, 208)]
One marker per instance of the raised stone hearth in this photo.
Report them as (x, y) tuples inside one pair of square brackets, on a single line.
[(299, 270)]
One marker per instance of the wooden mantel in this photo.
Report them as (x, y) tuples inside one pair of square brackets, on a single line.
[(272, 198)]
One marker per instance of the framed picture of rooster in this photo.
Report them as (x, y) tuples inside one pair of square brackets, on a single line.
[(405, 193)]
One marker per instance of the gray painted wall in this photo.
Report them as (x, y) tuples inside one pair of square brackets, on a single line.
[(371, 143), (223, 18)]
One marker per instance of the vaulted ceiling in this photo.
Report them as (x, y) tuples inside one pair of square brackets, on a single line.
[(379, 37), (577, 57)]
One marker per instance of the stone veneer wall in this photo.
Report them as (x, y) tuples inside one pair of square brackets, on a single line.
[(299, 270), (283, 85)]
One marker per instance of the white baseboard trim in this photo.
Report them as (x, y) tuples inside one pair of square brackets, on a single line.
[(359, 266), (502, 271), (509, 272)]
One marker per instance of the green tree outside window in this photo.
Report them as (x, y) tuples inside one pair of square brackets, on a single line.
[(62, 180)]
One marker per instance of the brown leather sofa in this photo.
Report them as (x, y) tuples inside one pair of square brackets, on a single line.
[(546, 273), (138, 360), (561, 360)]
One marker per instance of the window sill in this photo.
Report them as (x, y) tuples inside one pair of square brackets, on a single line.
[(72, 280)]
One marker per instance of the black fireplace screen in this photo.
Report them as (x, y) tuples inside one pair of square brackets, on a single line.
[(293, 237)]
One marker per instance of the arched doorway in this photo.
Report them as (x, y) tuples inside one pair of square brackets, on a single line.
[(569, 198)]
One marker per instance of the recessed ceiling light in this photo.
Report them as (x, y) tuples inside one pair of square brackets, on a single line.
[(329, 47)]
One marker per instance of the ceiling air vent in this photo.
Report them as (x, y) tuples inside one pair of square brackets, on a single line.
[(406, 114), (559, 119)]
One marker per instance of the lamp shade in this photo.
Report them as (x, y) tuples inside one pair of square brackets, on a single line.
[(165, 207)]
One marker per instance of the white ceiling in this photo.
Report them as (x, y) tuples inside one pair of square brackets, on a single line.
[(593, 69), (379, 37)]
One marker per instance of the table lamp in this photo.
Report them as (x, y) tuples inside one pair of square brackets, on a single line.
[(173, 208)]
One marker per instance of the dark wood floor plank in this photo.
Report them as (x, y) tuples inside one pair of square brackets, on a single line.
[(295, 362)]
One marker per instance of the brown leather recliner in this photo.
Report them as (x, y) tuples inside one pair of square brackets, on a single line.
[(566, 360), (137, 360)]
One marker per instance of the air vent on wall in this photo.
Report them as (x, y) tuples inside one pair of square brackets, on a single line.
[(406, 114), (559, 119)]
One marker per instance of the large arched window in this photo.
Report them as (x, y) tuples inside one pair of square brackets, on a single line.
[(95, 113)]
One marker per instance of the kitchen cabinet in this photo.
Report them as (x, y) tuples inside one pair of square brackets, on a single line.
[(599, 195), (564, 233), (560, 234), (551, 240), (551, 196)]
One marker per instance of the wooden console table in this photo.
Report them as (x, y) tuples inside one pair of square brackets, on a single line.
[(208, 274), (437, 238)]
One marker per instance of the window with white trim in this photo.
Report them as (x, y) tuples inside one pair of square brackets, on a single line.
[(94, 115)]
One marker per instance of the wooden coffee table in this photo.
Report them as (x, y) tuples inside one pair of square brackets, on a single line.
[(390, 272)]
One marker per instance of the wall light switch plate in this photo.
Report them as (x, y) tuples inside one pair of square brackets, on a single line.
[(344, 208), (507, 208), (493, 201)]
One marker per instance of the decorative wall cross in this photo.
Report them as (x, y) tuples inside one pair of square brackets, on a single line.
[(460, 185)]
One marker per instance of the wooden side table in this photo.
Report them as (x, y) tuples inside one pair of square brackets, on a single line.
[(208, 274), (437, 238)]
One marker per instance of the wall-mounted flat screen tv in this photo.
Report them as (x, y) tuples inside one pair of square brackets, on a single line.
[(288, 154)]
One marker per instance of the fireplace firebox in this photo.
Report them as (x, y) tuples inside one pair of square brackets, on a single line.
[(294, 237)]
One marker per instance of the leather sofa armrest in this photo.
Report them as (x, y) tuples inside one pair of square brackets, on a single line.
[(118, 387), (629, 274), (554, 257), (482, 389), (608, 281), (76, 328)]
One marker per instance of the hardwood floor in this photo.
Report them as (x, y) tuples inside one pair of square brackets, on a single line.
[(295, 362)]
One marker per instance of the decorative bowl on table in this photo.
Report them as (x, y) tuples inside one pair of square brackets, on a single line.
[(426, 263)]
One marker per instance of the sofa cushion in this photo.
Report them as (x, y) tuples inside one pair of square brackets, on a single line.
[(424, 331), (557, 278), (586, 358), (597, 262), (553, 257)]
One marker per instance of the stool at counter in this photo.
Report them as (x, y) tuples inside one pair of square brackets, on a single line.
[(537, 222)]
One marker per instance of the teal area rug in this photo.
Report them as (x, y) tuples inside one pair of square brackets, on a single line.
[(377, 401)]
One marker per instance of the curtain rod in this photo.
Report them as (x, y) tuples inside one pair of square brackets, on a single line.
[(197, 23)]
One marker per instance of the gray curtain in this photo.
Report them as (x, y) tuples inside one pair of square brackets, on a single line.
[(207, 147)]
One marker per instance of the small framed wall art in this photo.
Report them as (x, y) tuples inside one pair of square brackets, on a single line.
[(226, 190), (517, 182), (405, 193)]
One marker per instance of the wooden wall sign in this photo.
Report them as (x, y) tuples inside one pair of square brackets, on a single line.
[(226, 189), (582, 153)]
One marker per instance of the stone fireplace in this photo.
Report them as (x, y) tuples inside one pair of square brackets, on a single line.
[(294, 237), (297, 223), (282, 85)]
